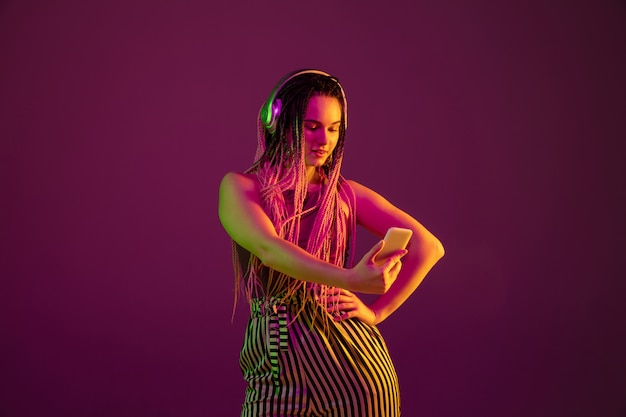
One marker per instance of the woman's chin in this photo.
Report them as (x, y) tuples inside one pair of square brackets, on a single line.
[(315, 162)]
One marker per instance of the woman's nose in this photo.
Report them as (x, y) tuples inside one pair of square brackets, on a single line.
[(323, 138)]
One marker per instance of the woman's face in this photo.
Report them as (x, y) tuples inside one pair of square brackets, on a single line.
[(321, 129)]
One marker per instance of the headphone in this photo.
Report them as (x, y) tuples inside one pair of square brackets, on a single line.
[(271, 108)]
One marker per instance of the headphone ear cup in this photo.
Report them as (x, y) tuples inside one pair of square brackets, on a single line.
[(264, 115), (276, 107)]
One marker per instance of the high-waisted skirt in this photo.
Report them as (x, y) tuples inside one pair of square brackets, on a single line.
[(294, 368)]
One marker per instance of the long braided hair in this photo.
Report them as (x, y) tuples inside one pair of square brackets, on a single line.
[(280, 169)]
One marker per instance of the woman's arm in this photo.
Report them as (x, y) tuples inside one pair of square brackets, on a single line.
[(377, 214), (244, 219)]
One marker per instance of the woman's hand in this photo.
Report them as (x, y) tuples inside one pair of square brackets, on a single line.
[(343, 305), (368, 278)]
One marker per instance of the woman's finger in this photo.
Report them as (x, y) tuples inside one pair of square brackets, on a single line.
[(396, 268), (345, 315), (394, 259)]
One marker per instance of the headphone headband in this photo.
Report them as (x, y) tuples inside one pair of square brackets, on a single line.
[(271, 108)]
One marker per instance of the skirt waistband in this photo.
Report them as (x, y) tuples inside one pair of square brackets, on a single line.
[(270, 306)]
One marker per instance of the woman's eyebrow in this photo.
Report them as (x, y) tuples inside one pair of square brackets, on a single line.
[(319, 123)]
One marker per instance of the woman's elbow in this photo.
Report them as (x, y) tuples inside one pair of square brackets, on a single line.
[(429, 245), (432, 248), (438, 250)]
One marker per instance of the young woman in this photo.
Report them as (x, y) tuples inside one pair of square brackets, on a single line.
[(311, 346)]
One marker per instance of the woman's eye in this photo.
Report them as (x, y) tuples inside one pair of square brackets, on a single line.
[(313, 128)]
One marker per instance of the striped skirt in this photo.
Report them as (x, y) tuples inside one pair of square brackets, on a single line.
[(295, 369)]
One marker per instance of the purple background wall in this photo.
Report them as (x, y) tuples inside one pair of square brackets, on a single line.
[(499, 124)]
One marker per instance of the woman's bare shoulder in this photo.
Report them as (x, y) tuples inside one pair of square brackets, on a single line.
[(359, 189), (239, 180)]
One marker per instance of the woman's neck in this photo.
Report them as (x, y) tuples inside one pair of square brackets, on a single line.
[(313, 176)]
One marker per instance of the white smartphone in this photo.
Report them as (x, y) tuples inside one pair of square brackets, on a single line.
[(396, 238)]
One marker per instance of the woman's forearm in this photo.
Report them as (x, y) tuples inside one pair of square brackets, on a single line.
[(289, 259)]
